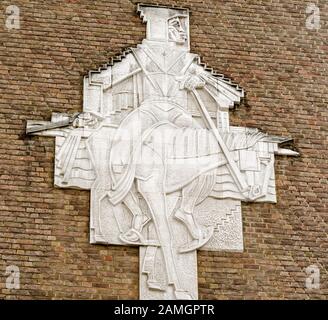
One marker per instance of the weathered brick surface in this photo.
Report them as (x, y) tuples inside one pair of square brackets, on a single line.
[(262, 45)]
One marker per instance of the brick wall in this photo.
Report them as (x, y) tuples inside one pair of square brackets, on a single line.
[(264, 46)]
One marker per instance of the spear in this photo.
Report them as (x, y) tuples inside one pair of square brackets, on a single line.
[(242, 185)]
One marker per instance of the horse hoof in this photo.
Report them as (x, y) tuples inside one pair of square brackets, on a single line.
[(186, 219), (196, 244), (137, 239), (132, 236), (154, 285)]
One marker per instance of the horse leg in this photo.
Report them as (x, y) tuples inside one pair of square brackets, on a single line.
[(139, 218), (193, 194), (190, 194)]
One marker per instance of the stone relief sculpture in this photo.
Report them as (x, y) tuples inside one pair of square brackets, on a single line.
[(154, 145)]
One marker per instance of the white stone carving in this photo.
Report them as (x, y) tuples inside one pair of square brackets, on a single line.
[(166, 170)]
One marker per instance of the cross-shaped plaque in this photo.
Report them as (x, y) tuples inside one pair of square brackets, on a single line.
[(154, 145)]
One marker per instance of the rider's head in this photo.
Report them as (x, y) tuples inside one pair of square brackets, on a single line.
[(166, 25)]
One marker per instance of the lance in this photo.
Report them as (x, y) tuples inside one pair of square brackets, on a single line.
[(33, 126), (242, 185)]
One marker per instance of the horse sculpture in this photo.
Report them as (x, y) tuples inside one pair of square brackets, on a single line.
[(167, 152)]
